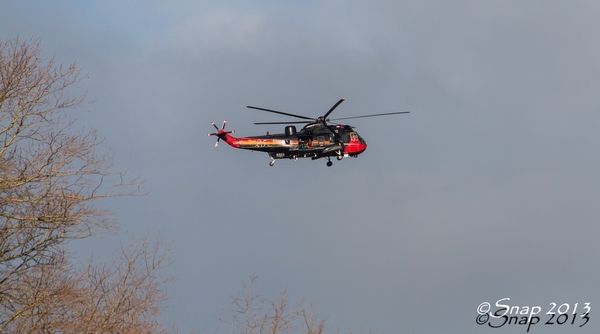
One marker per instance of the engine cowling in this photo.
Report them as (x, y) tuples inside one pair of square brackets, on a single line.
[(290, 130)]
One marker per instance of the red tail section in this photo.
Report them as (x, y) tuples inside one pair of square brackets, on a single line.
[(222, 134)]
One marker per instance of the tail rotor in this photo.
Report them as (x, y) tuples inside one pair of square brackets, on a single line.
[(220, 132)]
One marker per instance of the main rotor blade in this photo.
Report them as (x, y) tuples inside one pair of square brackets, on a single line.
[(373, 115), (299, 122), (334, 106), (280, 112)]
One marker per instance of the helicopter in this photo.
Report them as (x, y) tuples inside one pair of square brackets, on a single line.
[(317, 139)]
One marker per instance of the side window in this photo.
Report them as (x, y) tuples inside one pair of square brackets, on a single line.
[(321, 140)]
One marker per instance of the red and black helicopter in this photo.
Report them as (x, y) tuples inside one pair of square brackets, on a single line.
[(317, 139)]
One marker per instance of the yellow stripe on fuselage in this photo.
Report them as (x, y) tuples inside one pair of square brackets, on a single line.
[(257, 143)]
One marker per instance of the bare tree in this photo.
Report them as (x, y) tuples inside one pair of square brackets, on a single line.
[(51, 178), (253, 314), (122, 297), (119, 296)]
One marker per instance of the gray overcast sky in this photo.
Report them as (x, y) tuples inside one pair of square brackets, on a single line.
[(488, 189)]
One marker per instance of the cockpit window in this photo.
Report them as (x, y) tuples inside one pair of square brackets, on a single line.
[(353, 136)]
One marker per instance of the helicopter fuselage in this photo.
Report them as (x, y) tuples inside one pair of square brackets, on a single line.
[(313, 141)]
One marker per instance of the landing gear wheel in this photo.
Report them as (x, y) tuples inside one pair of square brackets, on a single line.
[(329, 163), (340, 157), (271, 163)]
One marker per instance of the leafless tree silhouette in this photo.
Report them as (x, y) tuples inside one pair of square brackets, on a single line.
[(51, 178), (253, 314)]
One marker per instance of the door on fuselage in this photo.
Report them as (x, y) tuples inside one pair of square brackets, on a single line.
[(305, 142)]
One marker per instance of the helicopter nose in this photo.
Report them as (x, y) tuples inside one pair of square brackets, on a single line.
[(362, 147), (355, 148)]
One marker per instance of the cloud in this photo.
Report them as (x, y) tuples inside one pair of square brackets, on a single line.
[(216, 30), (487, 188)]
